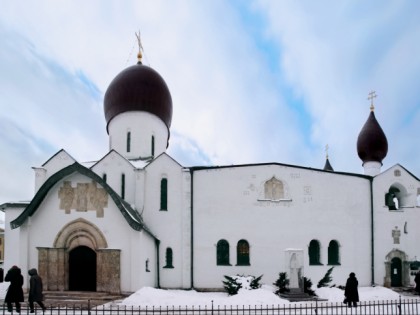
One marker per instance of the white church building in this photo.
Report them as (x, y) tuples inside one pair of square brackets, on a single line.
[(137, 218)]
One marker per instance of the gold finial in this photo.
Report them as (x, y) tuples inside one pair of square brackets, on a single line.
[(371, 96), (326, 151), (139, 55)]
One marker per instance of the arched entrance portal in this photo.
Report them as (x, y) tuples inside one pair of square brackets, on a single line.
[(396, 272), (397, 269), (82, 269), (80, 260)]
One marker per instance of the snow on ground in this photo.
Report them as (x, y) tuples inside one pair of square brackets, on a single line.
[(264, 296)]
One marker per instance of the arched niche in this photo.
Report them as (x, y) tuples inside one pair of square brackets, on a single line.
[(396, 197)]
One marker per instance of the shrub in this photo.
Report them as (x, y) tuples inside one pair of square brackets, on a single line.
[(326, 279), (233, 284), (307, 286), (282, 283)]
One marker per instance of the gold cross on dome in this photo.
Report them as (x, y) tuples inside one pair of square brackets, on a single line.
[(371, 96), (139, 55)]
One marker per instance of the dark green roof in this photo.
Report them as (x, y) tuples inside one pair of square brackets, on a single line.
[(131, 215)]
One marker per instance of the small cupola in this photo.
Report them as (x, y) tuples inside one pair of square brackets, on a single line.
[(372, 144)]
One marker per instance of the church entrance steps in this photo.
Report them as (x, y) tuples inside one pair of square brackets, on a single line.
[(296, 295), (79, 298)]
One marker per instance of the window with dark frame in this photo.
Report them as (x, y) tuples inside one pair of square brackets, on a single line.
[(169, 258), (222, 253), (242, 252), (128, 141), (164, 194), (333, 253), (123, 186), (314, 253)]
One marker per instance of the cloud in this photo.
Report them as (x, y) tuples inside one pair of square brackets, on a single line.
[(265, 81)]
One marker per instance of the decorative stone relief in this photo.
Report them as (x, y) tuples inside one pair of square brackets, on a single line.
[(83, 197), (396, 233)]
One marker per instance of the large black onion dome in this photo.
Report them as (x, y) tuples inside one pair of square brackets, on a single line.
[(372, 145), (138, 88)]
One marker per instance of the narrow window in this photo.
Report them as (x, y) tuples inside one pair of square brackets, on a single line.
[(333, 253), (104, 177), (314, 253), (242, 252), (153, 145), (128, 141), (164, 194), (169, 258), (123, 186), (222, 253)]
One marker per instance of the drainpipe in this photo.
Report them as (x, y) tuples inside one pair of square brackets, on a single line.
[(157, 262), (372, 236), (192, 226)]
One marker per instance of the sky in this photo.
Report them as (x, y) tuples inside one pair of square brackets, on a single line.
[(251, 81)]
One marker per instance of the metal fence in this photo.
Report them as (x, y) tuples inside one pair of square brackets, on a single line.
[(391, 307)]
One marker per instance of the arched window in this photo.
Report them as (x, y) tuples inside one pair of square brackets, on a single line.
[(242, 253), (128, 141), (164, 194), (333, 253), (391, 198), (153, 145), (168, 258), (104, 177), (314, 253), (222, 253), (273, 189)]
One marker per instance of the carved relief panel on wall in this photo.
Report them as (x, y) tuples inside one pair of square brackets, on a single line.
[(83, 197)]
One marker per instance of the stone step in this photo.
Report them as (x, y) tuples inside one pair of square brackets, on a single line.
[(79, 298)]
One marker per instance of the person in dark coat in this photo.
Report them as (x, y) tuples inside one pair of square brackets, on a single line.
[(35, 290), (351, 293), (14, 292), (417, 281)]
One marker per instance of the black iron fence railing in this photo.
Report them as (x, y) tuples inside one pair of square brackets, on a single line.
[(391, 307)]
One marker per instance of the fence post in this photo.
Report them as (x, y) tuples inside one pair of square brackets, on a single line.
[(212, 307), (89, 306), (399, 305)]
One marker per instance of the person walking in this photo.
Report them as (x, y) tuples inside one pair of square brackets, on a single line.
[(350, 292), (417, 281), (14, 292), (35, 290)]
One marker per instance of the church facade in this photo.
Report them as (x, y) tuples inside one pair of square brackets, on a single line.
[(137, 218)]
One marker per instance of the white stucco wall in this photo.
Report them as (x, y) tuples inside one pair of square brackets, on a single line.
[(171, 225), (405, 219), (50, 219), (14, 247), (114, 165), (324, 206)]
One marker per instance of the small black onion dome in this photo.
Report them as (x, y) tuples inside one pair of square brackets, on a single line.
[(372, 145), (138, 88), (327, 166)]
